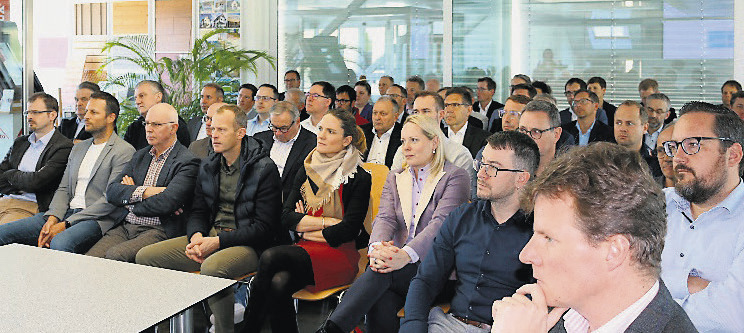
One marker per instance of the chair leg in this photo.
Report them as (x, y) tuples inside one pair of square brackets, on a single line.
[(183, 322)]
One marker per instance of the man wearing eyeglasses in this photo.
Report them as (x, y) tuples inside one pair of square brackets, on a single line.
[(572, 87), (703, 259), (33, 167), (587, 128), (203, 147), (288, 142), (345, 100), (511, 113), (461, 128), (400, 95), (156, 187), (657, 107), (146, 94), (318, 100), (481, 241), (541, 122), (266, 97), (486, 88), (631, 121)]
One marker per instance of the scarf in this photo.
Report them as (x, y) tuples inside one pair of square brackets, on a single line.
[(328, 173)]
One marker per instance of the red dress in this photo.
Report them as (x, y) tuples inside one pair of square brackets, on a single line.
[(332, 266)]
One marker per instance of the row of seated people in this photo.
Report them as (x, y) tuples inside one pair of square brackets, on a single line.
[(223, 216)]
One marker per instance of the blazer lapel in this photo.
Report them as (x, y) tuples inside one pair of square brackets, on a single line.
[(75, 167), (106, 149), (404, 183), (165, 171), (467, 139), (429, 186)]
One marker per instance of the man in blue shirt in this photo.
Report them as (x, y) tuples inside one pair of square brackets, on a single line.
[(703, 259), (480, 240), (266, 97)]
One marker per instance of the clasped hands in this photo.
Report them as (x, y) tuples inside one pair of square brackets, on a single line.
[(51, 228), (201, 247), (386, 257)]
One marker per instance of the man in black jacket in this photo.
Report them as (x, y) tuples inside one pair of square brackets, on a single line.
[(156, 187), (587, 128), (383, 134), (74, 128), (288, 143), (33, 168), (235, 216), (146, 94)]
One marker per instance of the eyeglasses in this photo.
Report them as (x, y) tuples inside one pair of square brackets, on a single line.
[(582, 101), (502, 112), (157, 125), (34, 113), (264, 98), (342, 100), (308, 95), (394, 95), (283, 129), (535, 133), (452, 105), (206, 118), (491, 170), (690, 146), (291, 80)]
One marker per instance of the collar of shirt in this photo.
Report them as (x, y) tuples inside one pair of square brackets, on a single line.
[(165, 153), (423, 173), (44, 139), (388, 133), (578, 127), (290, 141), (574, 322), (517, 217), (732, 202), (461, 132), (255, 122), (484, 110), (229, 169), (79, 121)]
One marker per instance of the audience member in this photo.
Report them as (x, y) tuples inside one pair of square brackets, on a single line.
[(657, 107), (288, 142), (326, 209), (573, 85), (203, 148), (211, 93), (318, 100), (541, 122), (156, 187), (79, 214), (35, 163), (547, 98), (383, 134), (146, 94), (703, 258), (432, 85), (729, 88), (647, 87), (631, 121), (363, 104), (486, 106), (511, 112), (586, 128), (225, 239), (400, 95), (524, 89), (297, 97), (737, 104), (74, 128), (598, 86), (667, 178), (414, 85), (345, 100), (247, 100), (480, 241), (291, 81), (542, 87), (386, 81), (599, 260), (461, 127), (519, 79), (442, 92), (266, 97)]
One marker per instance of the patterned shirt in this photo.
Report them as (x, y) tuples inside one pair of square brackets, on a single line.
[(156, 164)]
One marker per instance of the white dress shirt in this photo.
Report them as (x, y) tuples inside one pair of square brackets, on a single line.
[(459, 135), (576, 323), (308, 125), (84, 174), (378, 149), (280, 152), (202, 131)]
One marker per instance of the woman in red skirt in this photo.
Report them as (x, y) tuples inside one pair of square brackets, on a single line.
[(326, 209)]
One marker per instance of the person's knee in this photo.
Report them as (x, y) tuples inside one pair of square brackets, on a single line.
[(147, 256), (119, 254), (215, 268)]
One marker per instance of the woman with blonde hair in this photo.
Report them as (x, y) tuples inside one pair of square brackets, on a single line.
[(326, 211), (414, 202)]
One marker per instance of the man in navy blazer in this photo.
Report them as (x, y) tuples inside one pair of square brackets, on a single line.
[(383, 134), (600, 261), (588, 127), (156, 188)]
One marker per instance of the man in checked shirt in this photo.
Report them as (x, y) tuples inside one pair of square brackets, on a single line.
[(155, 186)]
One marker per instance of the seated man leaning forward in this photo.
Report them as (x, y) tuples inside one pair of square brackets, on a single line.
[(79, 214), (156, 187), (480, 240), (598, 237), (235, 215)]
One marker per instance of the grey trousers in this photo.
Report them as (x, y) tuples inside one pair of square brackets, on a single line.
[(440, 322), (230, 263), (123, 242)]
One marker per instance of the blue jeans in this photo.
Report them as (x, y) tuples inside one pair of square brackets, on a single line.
[(77, 239)]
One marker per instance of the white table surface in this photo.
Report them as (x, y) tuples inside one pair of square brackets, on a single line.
[(44, 290)]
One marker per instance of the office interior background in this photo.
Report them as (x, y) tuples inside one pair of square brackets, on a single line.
[(690, 46)]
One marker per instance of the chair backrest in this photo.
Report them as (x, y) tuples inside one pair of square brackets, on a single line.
[(379, 173)]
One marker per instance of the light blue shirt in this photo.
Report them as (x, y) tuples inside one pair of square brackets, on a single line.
[(30, 159), (584, 138), (711, 247), (254, 126)]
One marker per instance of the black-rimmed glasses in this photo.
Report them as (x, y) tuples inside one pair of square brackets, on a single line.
[(491, 170), (690, 146), (283, 129), (535, 133)]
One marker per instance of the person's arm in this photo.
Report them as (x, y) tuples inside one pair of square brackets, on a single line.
[(49, 173), (356, 194), (177, 193), (386, 222), (5, 165), (429, 280), (199, 221)]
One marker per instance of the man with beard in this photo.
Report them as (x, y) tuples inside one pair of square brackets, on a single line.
[(703, 259)]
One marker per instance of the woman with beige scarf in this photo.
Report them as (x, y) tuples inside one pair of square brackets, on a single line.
[(326, 210)]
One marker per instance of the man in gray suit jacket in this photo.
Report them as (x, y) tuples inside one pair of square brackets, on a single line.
[(156, 187), (600, 260), (79, 213)]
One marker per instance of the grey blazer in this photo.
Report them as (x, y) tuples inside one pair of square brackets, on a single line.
[(441, 194), (663, 314), (115, 155)]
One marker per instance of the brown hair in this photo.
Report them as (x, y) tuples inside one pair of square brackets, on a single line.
[(613, 193), (241, 119), (350, 128)]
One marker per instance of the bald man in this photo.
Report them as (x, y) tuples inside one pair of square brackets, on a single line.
[(203, 147), (155, 186)]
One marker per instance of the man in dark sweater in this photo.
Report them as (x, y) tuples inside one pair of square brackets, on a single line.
[(146, 94)]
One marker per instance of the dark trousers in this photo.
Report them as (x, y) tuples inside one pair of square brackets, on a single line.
[(379, 296)]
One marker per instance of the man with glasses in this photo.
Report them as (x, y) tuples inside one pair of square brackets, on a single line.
[(573, 85), (541, 122), (631, 121), (74, 128), (383, 134), (291, 81), (345, 98), (486, 88), (461, 127), (318, 100), (288, 142), (480, 240), (511, 113), (146, 94), (657, 106), (33, 167), (203, 148), (211, 93), (400, 95), (156, 187), (586, 128), (266, 97), (703, 259)]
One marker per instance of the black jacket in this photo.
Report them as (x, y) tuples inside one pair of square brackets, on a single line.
[(178, 175), (355, 196), (600, 132), (69, 126), (304, 144), (475, 136), (49, 169), (392, 146), (135, 134), (491, 108), (258, 203), (194, 125)]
